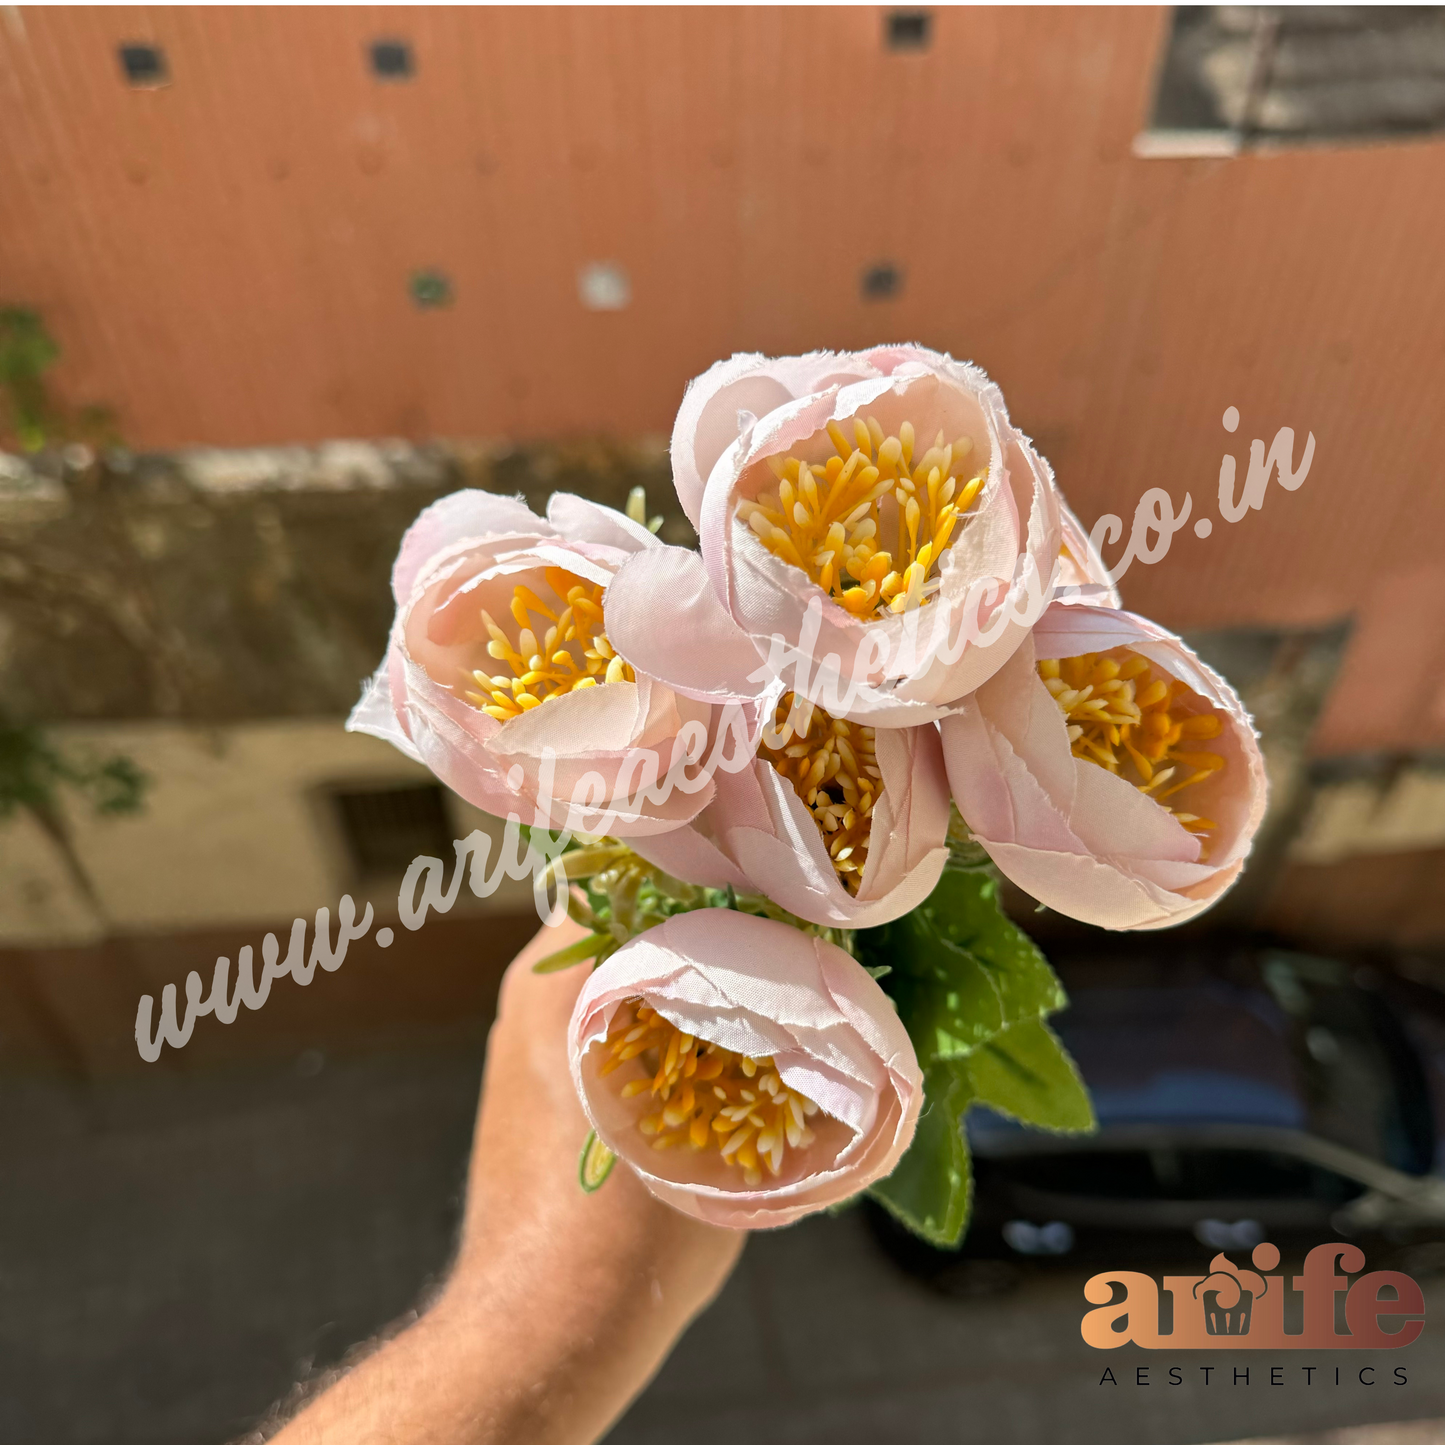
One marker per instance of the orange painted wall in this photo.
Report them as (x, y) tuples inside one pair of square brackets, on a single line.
[(225, 260)]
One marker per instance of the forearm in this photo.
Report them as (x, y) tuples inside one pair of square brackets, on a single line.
[(561, 1304), (454, 1378), (508, 1355)]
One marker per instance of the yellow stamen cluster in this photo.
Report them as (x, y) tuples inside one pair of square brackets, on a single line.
[(833, 769), (708, 1097), (869, 525), (1123, 718), (547, 661)]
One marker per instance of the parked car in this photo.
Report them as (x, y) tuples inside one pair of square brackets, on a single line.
[(1250, 1095)]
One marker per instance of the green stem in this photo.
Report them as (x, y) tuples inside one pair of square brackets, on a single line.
[(573, 953)]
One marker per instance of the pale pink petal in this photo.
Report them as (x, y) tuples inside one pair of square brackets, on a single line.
[(691, 855), (664, 617), (1083, 575), (747, 385), (763, 989), (993, 581), (1078, 838), (621, 735), (579, 520), (457, 517), (631, 757), (376, 715), (758, 828)]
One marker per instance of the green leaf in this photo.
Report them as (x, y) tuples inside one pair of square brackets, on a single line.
[(964, 909), (31, 769), (947, 1000), (973, 991), (962, 971), (931, 1188), (1025, 1072), (595, 1164)]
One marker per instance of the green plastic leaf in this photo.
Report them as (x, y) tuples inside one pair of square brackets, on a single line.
[(947, 1000), (1025, 1072), (962, 970), (964, 909), (595, 1164), (931, 1188), (973, 992)]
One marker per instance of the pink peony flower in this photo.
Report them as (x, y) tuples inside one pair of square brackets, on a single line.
[(500, 676), (841, 825), (876, 513), (748, 1072), (1109, 772)]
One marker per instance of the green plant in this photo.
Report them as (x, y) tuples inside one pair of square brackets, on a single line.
[(974, 992), (27, 410), (33, 770)]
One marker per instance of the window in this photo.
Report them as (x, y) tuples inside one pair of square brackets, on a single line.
[(392, 60), (385, 828), (144, 66), (1234, 77)]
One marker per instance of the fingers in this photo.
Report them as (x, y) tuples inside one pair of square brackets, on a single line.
[(544, 999), (529, 1108)]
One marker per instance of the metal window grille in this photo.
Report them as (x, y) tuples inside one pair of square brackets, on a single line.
[(385, 828), (1239, 76)]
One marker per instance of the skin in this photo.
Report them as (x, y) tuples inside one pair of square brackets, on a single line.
[(561, 1305)]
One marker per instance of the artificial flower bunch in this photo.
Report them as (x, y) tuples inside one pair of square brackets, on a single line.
[(779, 776)]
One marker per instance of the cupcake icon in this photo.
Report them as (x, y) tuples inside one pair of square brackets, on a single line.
[(1229, 1295)]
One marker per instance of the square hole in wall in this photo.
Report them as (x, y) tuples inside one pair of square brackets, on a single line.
[(604, 286), (392, 60), (430, 288), (144, 66), (881, 281), (908, 29), (385, 828)]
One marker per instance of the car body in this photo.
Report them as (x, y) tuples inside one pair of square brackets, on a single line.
[(1242, 1093)]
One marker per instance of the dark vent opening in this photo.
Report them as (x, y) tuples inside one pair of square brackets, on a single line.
[(430, 289), (143, 65), (391, 60), (385, 828), (881, 282), (909, 29)]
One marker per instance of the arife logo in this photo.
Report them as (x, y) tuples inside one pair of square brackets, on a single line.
[(1241, 1309)]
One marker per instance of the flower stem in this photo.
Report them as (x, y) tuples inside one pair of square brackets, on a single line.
[(573, 953)]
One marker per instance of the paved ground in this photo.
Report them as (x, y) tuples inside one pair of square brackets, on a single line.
[(1416, 1432), (174, 1252)]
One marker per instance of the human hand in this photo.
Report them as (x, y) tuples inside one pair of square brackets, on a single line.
[(562, 1304), (600, 1285)]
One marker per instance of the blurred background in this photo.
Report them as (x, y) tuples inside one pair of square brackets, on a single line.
[(271, 281)]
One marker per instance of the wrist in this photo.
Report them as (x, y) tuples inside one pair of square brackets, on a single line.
[(544, 1360)]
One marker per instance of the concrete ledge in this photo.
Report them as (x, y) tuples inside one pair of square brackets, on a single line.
[(223, 585)]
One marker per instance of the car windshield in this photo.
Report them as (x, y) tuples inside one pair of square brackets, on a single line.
[(1304, 1048), (1360, 1079), (1204, 1053)]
